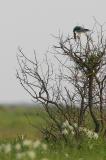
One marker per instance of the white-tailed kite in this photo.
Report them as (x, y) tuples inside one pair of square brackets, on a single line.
[(78, 30)]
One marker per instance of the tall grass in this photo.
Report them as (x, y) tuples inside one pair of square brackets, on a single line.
[(19, 133)]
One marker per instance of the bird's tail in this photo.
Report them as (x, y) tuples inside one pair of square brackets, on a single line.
[(86, 30)]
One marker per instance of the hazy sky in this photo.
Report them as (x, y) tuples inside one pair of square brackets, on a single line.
[(29, 23)]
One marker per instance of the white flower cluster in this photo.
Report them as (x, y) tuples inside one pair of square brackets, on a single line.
[(32, 146), (67, 128), (6, 148), (27, 148), (30, 154), (90, 134)]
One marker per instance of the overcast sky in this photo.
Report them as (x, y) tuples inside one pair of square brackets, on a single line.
[(29, 24)]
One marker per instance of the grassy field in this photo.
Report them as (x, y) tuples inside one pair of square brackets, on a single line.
[(19, 140), (17, 121)]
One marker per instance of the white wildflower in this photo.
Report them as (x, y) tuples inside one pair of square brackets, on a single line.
[(65, 132), (85, 130), (81, 129), (89, 134), (31, 154), (66, 155), (17, 146), (36, 144), (66, 124), (75, 125), (44, 146), (19, 155), (7, 148), (71, 128), (95, 135), (72, 132), (27, 142)]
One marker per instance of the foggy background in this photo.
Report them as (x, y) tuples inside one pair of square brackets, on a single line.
[(29, 24)]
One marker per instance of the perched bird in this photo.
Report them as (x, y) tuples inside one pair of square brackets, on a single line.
[(78, 30)]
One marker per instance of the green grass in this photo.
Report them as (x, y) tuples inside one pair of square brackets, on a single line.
[(16, 121), (59, 151)]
